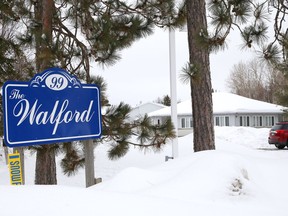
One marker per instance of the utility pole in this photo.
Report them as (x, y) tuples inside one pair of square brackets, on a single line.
[(173, 90)]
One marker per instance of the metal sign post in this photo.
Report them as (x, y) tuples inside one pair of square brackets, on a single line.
[(89, 163)]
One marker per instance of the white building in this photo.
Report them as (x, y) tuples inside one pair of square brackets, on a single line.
[(145, 108), (228, 110)]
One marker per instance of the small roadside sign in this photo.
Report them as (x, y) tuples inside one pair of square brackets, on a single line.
[(15, 170)]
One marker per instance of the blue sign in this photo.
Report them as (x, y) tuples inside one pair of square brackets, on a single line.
[(53, 107)]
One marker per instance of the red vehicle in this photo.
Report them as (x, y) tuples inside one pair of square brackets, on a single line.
[(278, 135)]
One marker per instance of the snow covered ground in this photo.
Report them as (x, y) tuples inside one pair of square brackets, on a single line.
[(243, 176)]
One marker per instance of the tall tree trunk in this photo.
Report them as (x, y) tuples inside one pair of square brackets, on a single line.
[(201, 88), (45, 166), (45, 172)]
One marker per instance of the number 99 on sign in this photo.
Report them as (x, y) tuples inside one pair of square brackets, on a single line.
[(56, 82)]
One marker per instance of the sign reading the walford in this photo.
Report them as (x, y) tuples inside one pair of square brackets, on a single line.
[(53, 107)]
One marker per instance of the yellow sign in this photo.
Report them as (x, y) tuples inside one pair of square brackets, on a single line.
[(15, 169)]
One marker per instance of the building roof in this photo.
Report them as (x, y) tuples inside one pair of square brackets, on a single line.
[(226, 103), (145, 108)]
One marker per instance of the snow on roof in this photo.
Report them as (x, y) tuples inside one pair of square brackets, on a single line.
[(145, 108), (227, 103), (150, 104)]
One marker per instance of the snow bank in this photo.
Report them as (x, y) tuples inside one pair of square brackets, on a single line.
[(243, 176)]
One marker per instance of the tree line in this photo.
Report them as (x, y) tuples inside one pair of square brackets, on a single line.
[(257, 80)]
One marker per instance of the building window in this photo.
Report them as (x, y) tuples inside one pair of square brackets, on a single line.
[(191, 123), (244, 121), (182, 122), (186, 122), (257, 121), (222, 120), (270, 121), (227, 121), (217, 121)]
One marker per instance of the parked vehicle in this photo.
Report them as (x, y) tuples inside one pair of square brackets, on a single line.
[(278, 135)]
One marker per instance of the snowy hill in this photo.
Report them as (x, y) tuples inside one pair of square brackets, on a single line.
[(243, 176)]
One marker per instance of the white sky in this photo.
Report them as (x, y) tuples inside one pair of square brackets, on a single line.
[(142, 75)]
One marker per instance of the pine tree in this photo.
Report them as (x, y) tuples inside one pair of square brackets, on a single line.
[(70, 34), (276, 51), (199, 77), (165, 100), (251, 19)]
